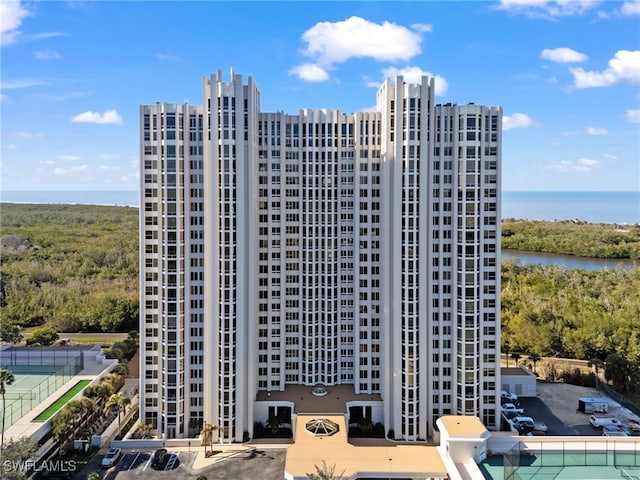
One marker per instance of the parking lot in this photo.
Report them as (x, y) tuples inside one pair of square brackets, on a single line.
[(265, 464), (557, 406), (137, 464)]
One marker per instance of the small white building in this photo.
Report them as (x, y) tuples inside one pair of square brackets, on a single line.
[(519, 380)]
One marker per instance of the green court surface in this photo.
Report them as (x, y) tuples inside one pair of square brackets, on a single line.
[(552, 466), (62, 401), (33, 385)]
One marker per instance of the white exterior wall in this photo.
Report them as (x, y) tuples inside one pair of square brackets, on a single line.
[(171, 280), (354, 249), (523, 384)]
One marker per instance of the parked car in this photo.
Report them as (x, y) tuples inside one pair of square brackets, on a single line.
[(614, 431), (111, 458), (540, 427), (512, 397), (509, 415), (600, 421), (523, 425), (158, 459), (634, 426), (511, 408)]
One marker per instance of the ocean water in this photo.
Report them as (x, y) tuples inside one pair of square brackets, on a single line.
[(592, 207), (127, 198)]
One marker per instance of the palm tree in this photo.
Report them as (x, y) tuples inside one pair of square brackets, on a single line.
[(275, 423), (145, 429), (325, 472), (506, 348), (100, 392), (113, 381), (117, 401), (76, 409), (207, 435), (6, 378), (516, 357), (90, 409), (535, 358), (620, 372), (62, 424), (365, 424)]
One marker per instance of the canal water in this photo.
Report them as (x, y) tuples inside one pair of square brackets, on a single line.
[(569, 261)]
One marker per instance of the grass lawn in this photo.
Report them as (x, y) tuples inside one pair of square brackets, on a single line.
[(58, 404)]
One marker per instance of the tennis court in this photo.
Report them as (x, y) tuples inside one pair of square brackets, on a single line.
[(33, 384)]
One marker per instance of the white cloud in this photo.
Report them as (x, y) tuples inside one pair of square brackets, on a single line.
[(167, 57), (608, 156), (330, 43), (563, 55), (68, 158), (126, 179), (47, 55), (71, 171), (310, 72), (414, 75), (109, 117), (422, 27), (633, 116), (582, 165), (110, 156), (623, 68), (11, 15), (594, 132), (10, 146), (548, 8), (517, 120), (588, 163), (630, 8), (571, 133), (27, 135), (47, 35), (338, 42), (22, 83)]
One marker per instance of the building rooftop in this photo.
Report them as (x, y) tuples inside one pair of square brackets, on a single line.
[(378, 457), (515, 371), (306, 402), (463, 426)]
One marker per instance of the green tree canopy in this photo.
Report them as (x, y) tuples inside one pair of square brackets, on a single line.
[(43, 336), (15, 456)]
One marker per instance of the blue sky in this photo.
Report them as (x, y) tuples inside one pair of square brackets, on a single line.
[(567, 74)]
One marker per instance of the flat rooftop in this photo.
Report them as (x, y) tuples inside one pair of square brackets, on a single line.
[(514, 371), (351, 461), (306, 402), (459, 426)]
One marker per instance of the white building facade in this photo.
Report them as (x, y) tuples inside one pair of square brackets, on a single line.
[(320, 248)]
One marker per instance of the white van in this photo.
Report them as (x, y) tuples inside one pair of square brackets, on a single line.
[(600, 421)]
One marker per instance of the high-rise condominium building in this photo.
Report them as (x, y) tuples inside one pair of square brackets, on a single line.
[(354, 253)]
